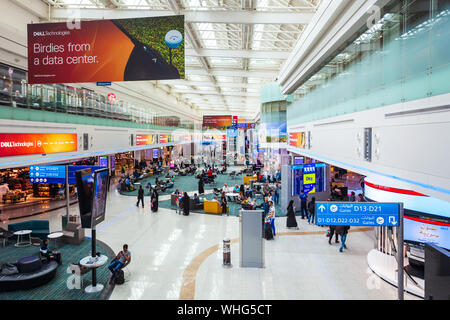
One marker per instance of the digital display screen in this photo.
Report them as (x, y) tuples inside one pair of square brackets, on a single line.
[(309, 177), (424, 231), (145, 139), (297, 139), (103, 161), (155, 153), (299, 160), (21, 144), (100, 192), (85, 190), (217, 121)]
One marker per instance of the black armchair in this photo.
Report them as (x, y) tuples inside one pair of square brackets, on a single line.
[(5, 235)]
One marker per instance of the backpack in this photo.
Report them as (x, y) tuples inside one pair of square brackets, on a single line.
[(119, 277)]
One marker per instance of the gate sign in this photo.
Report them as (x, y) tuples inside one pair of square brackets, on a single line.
[(47, 174), (369, 214), (56, 174)]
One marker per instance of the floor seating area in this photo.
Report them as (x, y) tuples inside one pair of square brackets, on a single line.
[(51, 279)]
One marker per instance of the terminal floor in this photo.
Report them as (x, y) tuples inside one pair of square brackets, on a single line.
[(176, 256)]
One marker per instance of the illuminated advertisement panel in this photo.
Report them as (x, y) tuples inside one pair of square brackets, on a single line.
[(106, 50), (217, 121), (144, 139), (20, 144), (164, 138), (297, 139), (425, 231)]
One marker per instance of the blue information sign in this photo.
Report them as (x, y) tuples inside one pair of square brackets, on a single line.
[(103, 84), (47, 174), (369, 214), (56, 174)]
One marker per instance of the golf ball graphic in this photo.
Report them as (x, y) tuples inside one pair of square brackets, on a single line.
[(173, 38)]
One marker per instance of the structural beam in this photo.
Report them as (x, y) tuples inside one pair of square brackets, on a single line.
[(210, 84), (230, 17), (269, 74), (248, 54), (214, 93), (37, 8)]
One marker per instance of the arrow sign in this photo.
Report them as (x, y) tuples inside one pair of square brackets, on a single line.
[(369, 214)]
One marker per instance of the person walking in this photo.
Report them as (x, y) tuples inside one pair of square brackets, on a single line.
[(276, 195), (330, 236), (342, 231), (185, 201), (140, 196), (201, 186), (312, 210), (272, 216), (303, 204), (223, 202), (291, 222), (352, 197), (154, 201)]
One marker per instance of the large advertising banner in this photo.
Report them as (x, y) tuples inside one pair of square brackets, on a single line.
[(274, 132), (217, 121), (106, 50), (145, 139), (21, 144), (297, 139)]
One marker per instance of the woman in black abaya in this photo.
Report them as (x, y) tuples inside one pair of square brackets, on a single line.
[(185, 200), (154, 200), (291, 222), (201, 189)]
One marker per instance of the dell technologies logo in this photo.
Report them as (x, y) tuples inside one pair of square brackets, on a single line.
[(50, 33)]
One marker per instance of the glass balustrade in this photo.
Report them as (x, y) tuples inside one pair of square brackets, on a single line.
[(65, 99)]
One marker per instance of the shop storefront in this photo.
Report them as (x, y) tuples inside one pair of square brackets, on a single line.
[(18, 190)]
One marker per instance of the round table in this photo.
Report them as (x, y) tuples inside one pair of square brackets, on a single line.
[(93, 263), (55, 236), (232, 195), (23, 233)]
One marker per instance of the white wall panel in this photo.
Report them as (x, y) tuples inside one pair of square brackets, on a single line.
[(410, 143)]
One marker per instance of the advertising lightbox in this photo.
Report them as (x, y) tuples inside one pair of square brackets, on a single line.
[(165, 138), (217, 121), (145, 139), (106, 50), (297, 139), (21, 144)]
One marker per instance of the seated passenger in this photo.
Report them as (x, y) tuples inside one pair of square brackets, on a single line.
[(215, 199), (225, 188), (120, 260), (236, 189), (196, 199), (50, 255), (176, 192)]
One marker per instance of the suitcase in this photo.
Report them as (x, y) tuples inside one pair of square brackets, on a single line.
[(119, 277), (268, 231)]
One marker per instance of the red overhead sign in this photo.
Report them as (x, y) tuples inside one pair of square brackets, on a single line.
[(20, 144)]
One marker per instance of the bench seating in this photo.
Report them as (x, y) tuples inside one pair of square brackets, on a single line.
[(40, 228)]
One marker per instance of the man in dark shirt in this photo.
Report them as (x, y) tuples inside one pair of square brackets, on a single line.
[(50, 255), (303, 201), (140, 196)]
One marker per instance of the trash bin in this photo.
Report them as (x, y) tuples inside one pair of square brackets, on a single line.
[(227, 252)]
